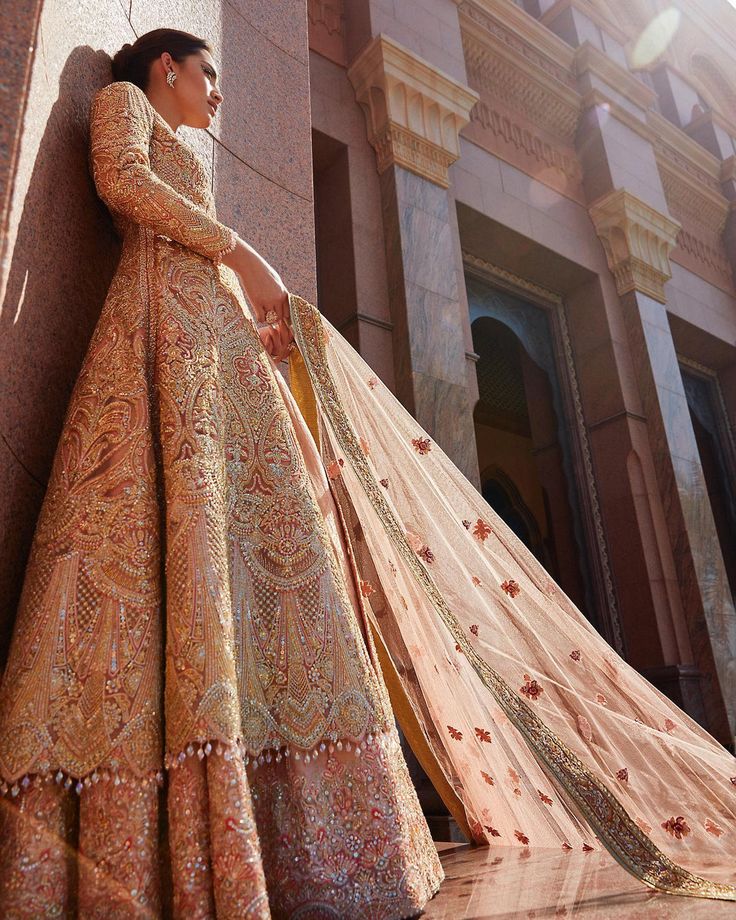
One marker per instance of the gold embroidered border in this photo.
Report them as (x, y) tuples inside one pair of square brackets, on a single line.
[(606, 815)]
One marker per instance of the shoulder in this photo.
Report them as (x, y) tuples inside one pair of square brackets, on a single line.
[(119, 97)]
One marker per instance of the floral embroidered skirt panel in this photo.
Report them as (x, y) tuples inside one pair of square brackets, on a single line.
[(193, 718)]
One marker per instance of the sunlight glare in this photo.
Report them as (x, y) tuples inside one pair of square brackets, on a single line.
[(654, 40)]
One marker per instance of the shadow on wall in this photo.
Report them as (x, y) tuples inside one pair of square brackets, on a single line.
[(59, 265)]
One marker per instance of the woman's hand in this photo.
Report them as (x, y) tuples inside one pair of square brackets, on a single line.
[(278, 340), (261, 283)]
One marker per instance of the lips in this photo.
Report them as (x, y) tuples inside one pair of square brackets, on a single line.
[(213, 108)]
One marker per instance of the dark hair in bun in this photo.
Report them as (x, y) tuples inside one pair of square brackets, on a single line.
[(133, 62)]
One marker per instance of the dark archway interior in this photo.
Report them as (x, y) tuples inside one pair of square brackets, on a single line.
[(518, 435)]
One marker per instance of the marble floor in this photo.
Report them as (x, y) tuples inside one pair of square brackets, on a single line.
[(509, 883)]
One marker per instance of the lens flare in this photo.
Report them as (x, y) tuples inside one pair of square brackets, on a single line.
[(654, 40)]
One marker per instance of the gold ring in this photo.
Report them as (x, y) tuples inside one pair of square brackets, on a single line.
[(272, 316)]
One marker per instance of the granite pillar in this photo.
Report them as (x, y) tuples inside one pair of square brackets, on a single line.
[(703, 584), (414, 113), (426, 306), (629, 212)]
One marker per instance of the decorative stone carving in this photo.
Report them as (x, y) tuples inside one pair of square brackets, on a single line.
[(703, 215), (637, 240), (529, 106), (414, 112), (524, 38), (495, 72)]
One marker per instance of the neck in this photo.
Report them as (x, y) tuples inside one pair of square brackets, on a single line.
[(165, 105)]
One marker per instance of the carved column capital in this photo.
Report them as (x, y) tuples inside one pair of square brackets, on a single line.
[(414, 112), (637, 240)]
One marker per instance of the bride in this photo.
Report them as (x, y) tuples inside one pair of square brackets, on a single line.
[(235, 585)]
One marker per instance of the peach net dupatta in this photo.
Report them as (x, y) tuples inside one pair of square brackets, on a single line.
[(534, 731)]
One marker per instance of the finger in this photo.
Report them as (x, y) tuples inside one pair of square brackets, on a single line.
[(284, 341), (267, 338)]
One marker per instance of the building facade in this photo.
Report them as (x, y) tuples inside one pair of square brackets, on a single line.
[(522, 214), (525, 220)]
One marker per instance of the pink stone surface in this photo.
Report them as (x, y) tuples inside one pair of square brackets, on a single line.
[(59, 257), (278, 223)]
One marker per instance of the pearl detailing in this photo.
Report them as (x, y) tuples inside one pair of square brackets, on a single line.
[(198, 749)]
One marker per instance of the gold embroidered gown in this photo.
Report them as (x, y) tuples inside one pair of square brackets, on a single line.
[(193, 720)]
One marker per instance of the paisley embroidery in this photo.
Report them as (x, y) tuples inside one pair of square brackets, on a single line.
[(178, 436), (176, 397)]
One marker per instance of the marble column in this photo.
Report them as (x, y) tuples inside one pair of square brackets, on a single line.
[(637, 239), (414, 113)]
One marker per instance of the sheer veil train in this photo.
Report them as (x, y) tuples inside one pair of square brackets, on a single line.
[(533, 730)]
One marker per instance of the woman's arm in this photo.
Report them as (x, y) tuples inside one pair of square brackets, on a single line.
[(262, 284), (121, 122)]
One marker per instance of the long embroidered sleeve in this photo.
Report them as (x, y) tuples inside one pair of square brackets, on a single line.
[(121, 123)]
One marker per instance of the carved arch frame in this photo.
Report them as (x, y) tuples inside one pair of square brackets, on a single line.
[(595, 542)]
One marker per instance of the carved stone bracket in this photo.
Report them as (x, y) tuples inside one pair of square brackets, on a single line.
[(637, 240), (413, 111)]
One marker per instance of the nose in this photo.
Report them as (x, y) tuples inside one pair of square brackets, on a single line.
[(217, 96)]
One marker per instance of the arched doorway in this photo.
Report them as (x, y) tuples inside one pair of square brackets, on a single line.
[(523, 437), (717, 458)]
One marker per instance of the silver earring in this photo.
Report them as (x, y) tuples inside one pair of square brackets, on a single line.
[(170, 77)]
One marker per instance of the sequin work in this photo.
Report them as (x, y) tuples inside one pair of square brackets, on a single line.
[(185, 620), (176, 435)]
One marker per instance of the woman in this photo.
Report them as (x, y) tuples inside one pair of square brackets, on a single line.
[(188, 605), (226, 578)]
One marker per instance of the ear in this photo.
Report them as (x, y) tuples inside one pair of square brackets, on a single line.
[(166, 60)]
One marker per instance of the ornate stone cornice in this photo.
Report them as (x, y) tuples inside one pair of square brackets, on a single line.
[(637, 240), (691, 178), (673, 146), (700, 242), (414, 112), (529, 106), (686, 196), (510, 57), (527, 38), (495, 71)]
